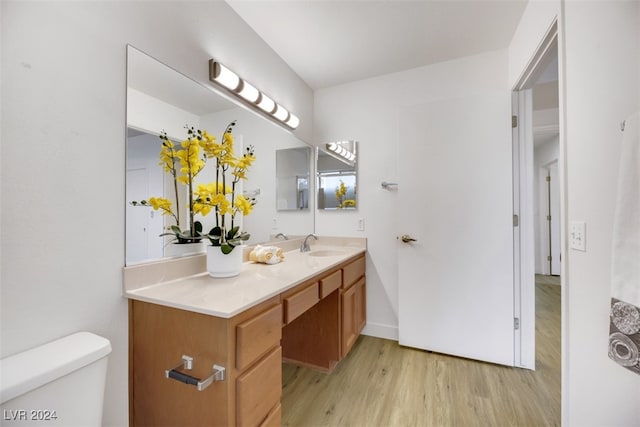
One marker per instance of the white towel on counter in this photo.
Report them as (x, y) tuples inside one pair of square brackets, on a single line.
[(624, 329), (266, 254)]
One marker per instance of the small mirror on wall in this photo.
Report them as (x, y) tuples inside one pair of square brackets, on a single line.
[(292, 178), (336, 166)]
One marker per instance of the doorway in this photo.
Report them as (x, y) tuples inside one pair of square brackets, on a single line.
[(548, 251), (537, 183)]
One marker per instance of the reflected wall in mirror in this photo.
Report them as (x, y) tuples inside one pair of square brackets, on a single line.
[(336, 168), (292, 178), (162, 99)]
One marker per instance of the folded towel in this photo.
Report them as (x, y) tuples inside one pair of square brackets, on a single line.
[(266, 254), (624, 338)]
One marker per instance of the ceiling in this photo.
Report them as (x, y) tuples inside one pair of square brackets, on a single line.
[(330, 42)]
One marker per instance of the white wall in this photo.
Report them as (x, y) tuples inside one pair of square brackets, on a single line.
[(63, 151), (599, 87), (602, 69), (368, 111)]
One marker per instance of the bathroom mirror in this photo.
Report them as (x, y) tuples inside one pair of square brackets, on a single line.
[(161, 99), (336, 169), (293, 178)]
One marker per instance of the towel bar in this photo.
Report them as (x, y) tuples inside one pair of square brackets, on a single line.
[(386, 184), (218, 374)]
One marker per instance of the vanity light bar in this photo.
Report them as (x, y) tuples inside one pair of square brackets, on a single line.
[(224, 76), (340, 150), (220, 74)]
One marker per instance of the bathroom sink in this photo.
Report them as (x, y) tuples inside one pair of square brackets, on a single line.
[(327, 252)]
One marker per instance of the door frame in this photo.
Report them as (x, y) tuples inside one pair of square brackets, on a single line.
[(523, 193)]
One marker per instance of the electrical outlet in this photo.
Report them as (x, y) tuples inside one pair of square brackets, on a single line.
[(361, 224), (578, 235), (274, 224)]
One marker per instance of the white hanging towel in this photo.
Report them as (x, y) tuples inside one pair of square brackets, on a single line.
[(624, 329)]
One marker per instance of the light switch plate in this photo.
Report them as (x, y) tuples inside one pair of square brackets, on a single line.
[(578, 235), (361, 224)]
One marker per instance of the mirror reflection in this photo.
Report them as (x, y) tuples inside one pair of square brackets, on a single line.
[(336, 168), (292, 178), (159, 99)]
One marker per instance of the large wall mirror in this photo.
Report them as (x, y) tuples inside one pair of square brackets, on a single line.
[(293, 178), (337, 173), (162, 99)]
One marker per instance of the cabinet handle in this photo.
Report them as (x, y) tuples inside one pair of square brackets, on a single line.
[(218, 374)]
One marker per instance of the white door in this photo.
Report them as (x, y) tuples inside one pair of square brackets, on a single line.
[(554, 223), (456, 292)]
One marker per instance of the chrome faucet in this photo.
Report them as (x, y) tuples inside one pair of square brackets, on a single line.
[(304, 247), (282, 235)]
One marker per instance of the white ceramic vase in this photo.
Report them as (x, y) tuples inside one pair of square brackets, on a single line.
[(181, 249), (221, 265)]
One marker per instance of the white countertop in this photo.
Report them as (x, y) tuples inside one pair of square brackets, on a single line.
[(226, 297)]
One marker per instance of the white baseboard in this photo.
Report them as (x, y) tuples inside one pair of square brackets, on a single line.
[(381, 331)]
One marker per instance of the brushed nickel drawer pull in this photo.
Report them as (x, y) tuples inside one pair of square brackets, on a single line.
[(218, 374)]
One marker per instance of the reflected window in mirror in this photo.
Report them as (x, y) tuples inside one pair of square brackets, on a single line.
[(292, 178), (336, 168)]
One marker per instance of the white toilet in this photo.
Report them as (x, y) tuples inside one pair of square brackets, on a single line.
[(59, 384)]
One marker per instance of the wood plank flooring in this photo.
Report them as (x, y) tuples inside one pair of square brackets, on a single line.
[(383, 384)]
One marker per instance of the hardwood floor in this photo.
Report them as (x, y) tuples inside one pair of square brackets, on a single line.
[(383, 384)]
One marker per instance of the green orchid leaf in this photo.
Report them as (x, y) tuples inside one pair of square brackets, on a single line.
[(214, 236), (215, 232), (197, 227), (226, 248), (232, 233)]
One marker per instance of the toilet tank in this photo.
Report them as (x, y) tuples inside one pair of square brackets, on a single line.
[(60, 383)]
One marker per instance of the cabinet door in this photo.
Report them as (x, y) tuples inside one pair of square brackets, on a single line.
[(349, 307), (361, 305), (354, 314)]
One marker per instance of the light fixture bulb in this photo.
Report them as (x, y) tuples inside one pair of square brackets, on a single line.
[(293, 121), (266, 104), (332, 146), (281, 113), (224, 76), (248, 91)]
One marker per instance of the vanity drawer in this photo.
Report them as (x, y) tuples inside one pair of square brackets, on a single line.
[(353, 271), (256, 336), (259, 389), (274, 419), (300, 302), (330, 283)]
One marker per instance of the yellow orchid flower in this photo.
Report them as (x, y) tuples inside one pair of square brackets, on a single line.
[(243, 205)]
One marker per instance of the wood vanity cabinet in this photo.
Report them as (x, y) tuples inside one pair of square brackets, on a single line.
[(247, 345), (353, 303), (325, 332), (314, 324)]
